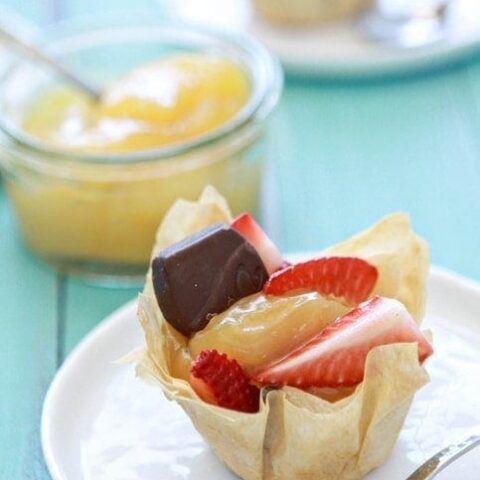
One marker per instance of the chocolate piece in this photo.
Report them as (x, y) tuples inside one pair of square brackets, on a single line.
[(203, 275)]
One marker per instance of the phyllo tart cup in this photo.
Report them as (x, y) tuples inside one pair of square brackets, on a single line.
[(315, 434)]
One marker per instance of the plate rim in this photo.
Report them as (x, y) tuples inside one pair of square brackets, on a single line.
[(447, 53), (440, 274), (108, 323)]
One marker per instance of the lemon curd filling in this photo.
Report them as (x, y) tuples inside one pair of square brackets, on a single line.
[(108, 212), (165, 102)]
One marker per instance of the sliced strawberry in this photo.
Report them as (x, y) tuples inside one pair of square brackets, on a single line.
[(266, 249), (349, 278), (337, 355), (221, 381)]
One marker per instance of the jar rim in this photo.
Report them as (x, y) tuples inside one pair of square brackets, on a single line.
[(263, 68)]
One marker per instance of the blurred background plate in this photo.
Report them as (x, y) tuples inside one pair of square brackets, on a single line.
[(340, 49)]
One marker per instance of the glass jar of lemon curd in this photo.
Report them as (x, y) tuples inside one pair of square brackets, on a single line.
[(90, 183)]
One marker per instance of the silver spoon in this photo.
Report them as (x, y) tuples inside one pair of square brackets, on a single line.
[(33, 52), (433, 466), (423, 24)]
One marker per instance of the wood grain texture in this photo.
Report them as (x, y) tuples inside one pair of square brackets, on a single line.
[(86, 306), (27, 353), (344, 156)]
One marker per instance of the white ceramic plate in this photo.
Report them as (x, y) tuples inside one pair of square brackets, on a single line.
[(340, 49), (100, 422)]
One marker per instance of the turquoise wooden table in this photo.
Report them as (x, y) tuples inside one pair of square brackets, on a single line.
[(343, 154)]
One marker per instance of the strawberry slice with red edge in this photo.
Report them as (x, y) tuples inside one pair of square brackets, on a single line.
[(349, 278), (337, 355), (221, 381), (246, 226)]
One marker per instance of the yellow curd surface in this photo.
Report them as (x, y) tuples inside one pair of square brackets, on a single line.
[(158, 104), (109, 213)]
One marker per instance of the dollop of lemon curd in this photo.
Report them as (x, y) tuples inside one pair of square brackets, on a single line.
[(260, 328), (165, 102), (109, 213)]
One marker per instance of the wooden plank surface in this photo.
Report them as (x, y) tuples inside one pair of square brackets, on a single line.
[(347, 155), (86, 306), (28, 326)]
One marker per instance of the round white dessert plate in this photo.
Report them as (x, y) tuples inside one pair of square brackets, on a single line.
[(100, 422), (342, 48)]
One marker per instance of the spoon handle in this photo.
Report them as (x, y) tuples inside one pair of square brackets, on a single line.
[(31, 51), (439, 461)]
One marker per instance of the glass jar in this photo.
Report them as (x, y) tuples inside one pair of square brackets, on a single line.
[(96, 214)]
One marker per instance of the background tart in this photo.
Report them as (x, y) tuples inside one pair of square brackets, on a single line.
[(308, 12)]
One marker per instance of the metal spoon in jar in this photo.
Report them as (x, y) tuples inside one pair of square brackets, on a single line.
[(35, 53)]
